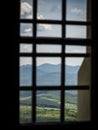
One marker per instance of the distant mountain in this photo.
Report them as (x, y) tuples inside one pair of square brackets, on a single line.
[(50, 67), (49, 79), (25, 75), (48, 74), (72, 69)]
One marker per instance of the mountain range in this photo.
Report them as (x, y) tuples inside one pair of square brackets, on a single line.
[(48, 75)]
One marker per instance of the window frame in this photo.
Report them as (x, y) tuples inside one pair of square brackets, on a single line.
[(68, 41)]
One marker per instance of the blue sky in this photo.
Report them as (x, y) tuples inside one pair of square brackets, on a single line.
[(51, 9)]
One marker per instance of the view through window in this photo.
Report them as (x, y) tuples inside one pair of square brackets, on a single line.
[(55, 61)]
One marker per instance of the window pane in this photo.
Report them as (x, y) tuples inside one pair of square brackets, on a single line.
[(75, 73), (26, 29), (48, 48), (25, 48), (76, 31), (50, 7), (48, 106), (25, 106), (76, 10), (25, 73), (48, 30), (26, 11), (71, 106), (75, 49), (77, 105), (48, 71)]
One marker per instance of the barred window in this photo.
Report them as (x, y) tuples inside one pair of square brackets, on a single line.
[(55, 45)]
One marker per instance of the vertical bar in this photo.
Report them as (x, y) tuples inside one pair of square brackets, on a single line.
[(93, 62), (63, 62), (90, 33), (16, 73), (34, 63)]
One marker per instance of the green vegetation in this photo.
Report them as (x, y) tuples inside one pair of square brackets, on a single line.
[(48, 107), (25, 114), (48, 114), (70, 112)]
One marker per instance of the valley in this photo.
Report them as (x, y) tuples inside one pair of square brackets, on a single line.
[(48, 102)]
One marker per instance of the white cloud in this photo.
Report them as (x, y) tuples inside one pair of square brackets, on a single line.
[(43, 27), (25, 8), (29, 16), (40, 17), (77, 11), (28, 30)]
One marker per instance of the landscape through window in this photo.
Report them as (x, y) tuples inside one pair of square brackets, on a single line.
[(49, 65)]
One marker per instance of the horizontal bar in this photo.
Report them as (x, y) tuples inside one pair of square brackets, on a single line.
[(48, 88), (27, 21), (77, 87), (63, 22), (78, 23), (25, 88), (66, 88), (40, 21), (67, 41), (65, 123), (60, 55), (26, 54), (43, 21), (41, 88), (55, 55)]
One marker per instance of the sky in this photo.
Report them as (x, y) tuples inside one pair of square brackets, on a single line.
[(51, 9)]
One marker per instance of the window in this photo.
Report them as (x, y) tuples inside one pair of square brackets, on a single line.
[(55, 46)]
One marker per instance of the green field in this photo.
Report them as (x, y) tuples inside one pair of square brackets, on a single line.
[(47, 114), (48, 108)]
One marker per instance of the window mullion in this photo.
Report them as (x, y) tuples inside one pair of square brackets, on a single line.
[(63, 62), (34, 62)]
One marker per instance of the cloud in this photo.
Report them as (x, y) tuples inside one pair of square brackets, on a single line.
[(77, 11), (43, 27), (29, 16), (26, 9), (28, 30), (40, 17), (26, 12)]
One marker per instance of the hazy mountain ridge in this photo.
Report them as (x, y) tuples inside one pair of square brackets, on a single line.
[(48, 74)]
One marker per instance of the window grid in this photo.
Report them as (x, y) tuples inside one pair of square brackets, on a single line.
[(63, 42)]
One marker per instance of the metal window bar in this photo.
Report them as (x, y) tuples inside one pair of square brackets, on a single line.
[(34, 62)]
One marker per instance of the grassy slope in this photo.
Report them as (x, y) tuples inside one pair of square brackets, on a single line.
[(48, 108)]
